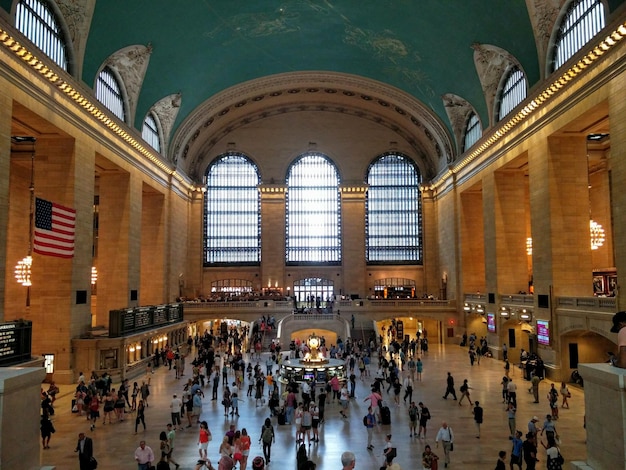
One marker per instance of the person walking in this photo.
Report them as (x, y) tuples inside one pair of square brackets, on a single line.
[(419, 367), (413, 417), (140, 416), (465, 388), (84, 447), (424, 417), (553, 453), (370, 422), (516, 450), (553, 399), (529, 449), (389, 452), (511, 389), (449, 387), (47, 429), (510, 413), (501, 463), (565, 393), (348, 461), (446, 436), (535, 386), (175, 406), (267, 438), (171, 438), (143, 456), (429, 459), (478, 417)]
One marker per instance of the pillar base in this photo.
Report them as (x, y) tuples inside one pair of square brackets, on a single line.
[(20, 402), (605, 409)]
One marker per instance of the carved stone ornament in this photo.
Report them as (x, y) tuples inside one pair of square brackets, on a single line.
[(166, 111), (457, 110), (77, 15), (491, 64), (543, 15), (131, 63)]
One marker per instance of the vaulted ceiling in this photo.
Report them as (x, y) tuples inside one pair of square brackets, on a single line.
[(200, 56)]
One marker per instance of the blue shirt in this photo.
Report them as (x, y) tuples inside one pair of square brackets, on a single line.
[(517, 447)]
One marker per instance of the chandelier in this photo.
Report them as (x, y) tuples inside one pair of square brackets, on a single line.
[(597, 234), (22, 271), (94, 275)]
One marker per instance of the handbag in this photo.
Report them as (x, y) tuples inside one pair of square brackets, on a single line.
[(451, 446), (93, 462)]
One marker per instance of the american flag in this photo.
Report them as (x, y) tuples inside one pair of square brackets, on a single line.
[(54, 229)]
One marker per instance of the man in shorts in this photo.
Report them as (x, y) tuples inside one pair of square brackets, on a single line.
[(175, 406)]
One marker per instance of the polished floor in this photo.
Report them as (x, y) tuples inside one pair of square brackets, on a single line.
[(114, 444)]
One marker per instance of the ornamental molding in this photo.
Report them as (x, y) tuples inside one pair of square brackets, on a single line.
[(543, 16), (166, 110), (491, 63), (457, 109), (77, 15), (320, 91), (131, 64)]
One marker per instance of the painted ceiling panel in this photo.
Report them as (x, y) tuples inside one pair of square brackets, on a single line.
[(202, 47)]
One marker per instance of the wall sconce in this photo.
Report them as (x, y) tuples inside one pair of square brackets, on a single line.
[(94, 275), (596, 232), (23, 271), (466, 307), (480, 309), (525, 315), (132, 349), (504, 312), (529, 246), (138, 348)]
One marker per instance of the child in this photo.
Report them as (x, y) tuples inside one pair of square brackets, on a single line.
[(234, 404)]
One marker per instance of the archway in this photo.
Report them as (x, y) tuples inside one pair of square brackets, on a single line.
[(583, 346)]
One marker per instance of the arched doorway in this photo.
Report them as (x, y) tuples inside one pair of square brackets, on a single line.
[(314, 292), (583, 346)]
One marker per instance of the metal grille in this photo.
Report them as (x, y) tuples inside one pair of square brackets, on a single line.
[(232, 212), (150, 132), (394, 211), (313, 211), (583, 20), (513, 92), (472, 132), (37, 22), (108, 92)]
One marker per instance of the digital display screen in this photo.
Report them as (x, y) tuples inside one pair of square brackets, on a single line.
[(309, 376), (543, 332), (491, 322)]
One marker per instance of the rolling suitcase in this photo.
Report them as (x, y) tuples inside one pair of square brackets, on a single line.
[(385, 415)]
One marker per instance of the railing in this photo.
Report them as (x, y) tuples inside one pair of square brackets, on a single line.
[(407, 303), (475, 298), (587, 303), (518, 299)]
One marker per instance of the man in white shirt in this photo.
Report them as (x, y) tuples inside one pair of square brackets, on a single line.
[(175, 406), (446, 437), (511, 389), (144, 456)]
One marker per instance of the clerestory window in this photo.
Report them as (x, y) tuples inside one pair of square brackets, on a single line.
[(109, 93), (393, 211), (313, 211), (232, 212)]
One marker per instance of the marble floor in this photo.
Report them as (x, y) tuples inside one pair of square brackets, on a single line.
[(114, 444)]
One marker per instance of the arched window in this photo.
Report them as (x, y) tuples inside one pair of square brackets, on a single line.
[(109, 93), (394, 211), (513, 92), (35, 20), (150, 132), (232, 212), (582, 21), (313, 211), (472, 131)]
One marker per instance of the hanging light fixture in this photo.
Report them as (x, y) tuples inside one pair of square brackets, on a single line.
[(24, 266), (597, 234), (94, 275), (529, 246), (22, 271)]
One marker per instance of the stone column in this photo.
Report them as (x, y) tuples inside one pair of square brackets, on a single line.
[(153, 250), (19, 421), (472, 248), (605, 409), (273, 237), (6, 107), (353, 241)]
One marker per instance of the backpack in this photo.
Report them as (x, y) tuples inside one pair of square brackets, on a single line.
[(365, 421), (463, 388), (267, 435)]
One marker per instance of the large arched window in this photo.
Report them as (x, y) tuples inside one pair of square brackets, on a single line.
[(313, 211), (513, 92), (473, 131), (582, 21), (232, 212), (394, 211), (150, 132), (35, 20), (109, 93)]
